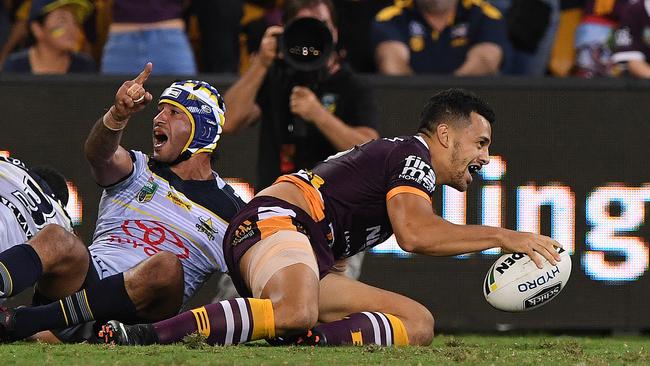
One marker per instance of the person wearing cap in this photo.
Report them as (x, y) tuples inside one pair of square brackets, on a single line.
[(55, 32), (160, 226)]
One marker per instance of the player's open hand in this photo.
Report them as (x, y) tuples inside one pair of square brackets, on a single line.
[(534, 245), (132, 97)]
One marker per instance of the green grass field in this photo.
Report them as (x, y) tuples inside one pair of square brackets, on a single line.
[(445, 350)]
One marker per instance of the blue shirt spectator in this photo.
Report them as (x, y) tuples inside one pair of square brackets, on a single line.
[(464, 38)]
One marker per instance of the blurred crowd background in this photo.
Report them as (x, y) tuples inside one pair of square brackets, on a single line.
[(558, 38)]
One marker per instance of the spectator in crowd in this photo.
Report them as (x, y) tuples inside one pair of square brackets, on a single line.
[(632, 40), (464, 38), (219, 25), (148, 30), (337, 112), (55, 28), (593, 51)]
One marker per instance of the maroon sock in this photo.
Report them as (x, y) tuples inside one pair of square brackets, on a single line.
[(364, 328), (227, 322)]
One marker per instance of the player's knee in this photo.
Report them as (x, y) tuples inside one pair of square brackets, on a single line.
[(164, 269), (295, 317), (420, 331)]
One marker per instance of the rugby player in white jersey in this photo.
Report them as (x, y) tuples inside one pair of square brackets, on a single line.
[(160, 226)]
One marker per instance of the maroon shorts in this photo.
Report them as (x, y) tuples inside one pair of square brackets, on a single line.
[(264, 216)]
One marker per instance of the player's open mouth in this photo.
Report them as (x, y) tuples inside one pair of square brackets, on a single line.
[(474, 168), (159, 139)]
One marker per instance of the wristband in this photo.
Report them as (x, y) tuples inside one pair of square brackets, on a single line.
[(112, 123)]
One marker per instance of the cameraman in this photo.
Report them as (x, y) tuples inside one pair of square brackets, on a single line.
[(302, 122)]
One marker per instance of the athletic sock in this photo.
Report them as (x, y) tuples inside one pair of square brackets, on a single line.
[(227, 322), (20, 267), (364, 328), (107, 299)]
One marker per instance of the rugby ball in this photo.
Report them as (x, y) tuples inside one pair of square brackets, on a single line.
[(514, 283)]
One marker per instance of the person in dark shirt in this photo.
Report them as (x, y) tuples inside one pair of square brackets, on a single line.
[(632, 39), (336, 113), (281, 247), (464, 38), (55, 27)]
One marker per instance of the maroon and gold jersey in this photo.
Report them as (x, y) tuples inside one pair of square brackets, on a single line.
[(356, 184), (346, 196)]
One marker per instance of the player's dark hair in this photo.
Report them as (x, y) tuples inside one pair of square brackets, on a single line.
[(292, 7), (54, 180), (452, 106)]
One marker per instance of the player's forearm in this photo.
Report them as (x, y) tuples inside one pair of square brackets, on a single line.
[(240, 98), (481, 60), (341, 135), (101, 144), (450, 239)]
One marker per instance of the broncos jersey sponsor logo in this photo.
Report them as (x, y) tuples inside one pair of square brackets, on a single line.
[(416, 169)]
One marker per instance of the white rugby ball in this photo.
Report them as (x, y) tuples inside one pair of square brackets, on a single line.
[(514, 283)]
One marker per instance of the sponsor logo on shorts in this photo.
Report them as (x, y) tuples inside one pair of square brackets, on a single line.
[(416, 169), (244, 231), (543, 296), (205, 226), (147, 191), (178, 201)]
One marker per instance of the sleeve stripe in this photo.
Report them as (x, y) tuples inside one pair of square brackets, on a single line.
[(407, 189)]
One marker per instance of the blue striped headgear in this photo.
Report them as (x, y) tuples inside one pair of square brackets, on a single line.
[(205, 109)]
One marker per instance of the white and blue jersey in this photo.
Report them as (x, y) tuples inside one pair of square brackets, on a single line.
[(26, 205), (153, 210)]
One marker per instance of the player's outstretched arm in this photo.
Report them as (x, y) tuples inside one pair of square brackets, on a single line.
[(419, 230), (108, 160)]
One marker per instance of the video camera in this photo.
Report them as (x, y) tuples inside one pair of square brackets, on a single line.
[(306, 45)]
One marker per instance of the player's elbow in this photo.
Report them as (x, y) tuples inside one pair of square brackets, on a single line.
[(409, 240)]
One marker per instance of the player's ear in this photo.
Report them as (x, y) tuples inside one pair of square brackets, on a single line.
[(442, 134)]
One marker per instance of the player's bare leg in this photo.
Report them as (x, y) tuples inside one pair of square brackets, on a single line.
[(156, 286), (294, 294), (54, 259), (372, 312)]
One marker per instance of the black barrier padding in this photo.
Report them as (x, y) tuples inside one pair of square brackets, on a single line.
[(583, 135)]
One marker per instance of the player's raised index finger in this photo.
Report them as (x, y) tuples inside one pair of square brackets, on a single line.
[(144, 75)]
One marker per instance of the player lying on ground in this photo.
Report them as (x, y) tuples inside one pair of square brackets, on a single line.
[(160, 225), (280, 248)]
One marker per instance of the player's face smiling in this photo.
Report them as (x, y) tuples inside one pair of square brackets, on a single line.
[(469, 151), (171, 131)]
